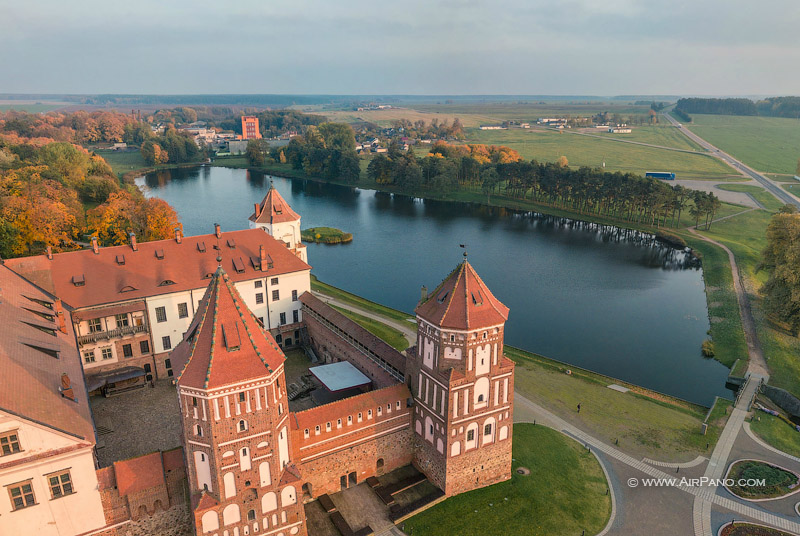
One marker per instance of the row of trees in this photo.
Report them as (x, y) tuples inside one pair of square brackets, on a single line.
[(77, 127), (781, 260), (500, 170), (172, 147), (771, 107), (45, 192)]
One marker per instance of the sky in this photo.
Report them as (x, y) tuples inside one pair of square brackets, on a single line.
[(442, 47)]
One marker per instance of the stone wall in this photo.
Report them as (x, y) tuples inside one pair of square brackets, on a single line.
[(331, 348), (323, 473), (783, 398), (480, 467)]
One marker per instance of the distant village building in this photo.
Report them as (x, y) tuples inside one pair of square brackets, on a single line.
[(250, 129), (620, 129), (492, 127)]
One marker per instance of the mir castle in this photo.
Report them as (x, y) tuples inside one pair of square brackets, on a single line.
[(261, 441)]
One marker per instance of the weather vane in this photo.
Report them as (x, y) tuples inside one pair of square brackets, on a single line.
[(464, 246)]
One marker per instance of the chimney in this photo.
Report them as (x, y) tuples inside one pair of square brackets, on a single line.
[(423, 293), (66, 387), (178, 235), (258, 207), (49, 253), (262, 254), (95, 247), (134, 245), (62, 324), (217, 230)]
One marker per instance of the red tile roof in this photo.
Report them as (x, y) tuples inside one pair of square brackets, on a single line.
[(274, 209), (462, 301), (351, 406), (185, 266), (225, 343), (203, 501), (139, 474), (173, 459), (30, 376)]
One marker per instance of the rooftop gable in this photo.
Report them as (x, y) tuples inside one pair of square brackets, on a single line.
[(274, 209), (462, 301), (225, 343)]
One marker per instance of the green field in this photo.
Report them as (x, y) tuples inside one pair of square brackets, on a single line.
[(564, 494), (770, 144), (358, 301), (122, 162), (664, 135), (530, 111), (388, 334), (548, 146)]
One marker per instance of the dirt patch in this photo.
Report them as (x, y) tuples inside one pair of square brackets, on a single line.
[(524, 471)]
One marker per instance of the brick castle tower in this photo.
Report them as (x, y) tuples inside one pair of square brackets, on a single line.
[(462, 385), (235, 418)]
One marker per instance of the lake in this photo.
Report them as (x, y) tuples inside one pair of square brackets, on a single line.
[(599, 297)]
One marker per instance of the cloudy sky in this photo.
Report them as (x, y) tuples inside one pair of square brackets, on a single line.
[(533, 47)]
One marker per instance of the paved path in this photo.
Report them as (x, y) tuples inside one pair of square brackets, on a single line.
[(747, 171), (757, 364)]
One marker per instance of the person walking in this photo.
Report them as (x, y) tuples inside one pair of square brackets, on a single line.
[(579, 407)]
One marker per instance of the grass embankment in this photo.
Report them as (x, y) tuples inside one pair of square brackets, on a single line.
[(123, 162), (777, 481), (739, 528), (776, 432), (643, 423), (325, 235), (764, 143), (564, 494), (388, 334), (360, 302)]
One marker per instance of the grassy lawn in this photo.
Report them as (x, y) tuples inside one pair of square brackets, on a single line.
[(360, 302), (548, 146), (645, 424), (776, 432), (764, 143), (388, 334), (122, 162), (665, 135), (296, 364), (564, 494), (325, 235), (767, 200)]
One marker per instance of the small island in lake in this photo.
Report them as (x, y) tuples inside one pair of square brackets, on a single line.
[(325, 235)]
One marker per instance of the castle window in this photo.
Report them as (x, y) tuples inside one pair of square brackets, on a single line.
[(388, 408), (485, 334), (242, 425), (316, 429), (470, 435), (183, 310), (273, 281), (241, 397), (398, 404), (22, 495), (280, 409), (276, 295), (369, 414), (60, 484), (294, 295), (305, 433), (349, 420), (88, 356), (198, 431), (380, 411), (430, 429), (338, 423), (259, 297), (487, 430), (359, 416), (327, 427), (251, 515), (95, 326), (9, 443), (480, 398), (161, 314), (452, 338)]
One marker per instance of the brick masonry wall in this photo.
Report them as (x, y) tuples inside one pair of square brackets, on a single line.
[(324, 472), (479, 467), (331, 348)]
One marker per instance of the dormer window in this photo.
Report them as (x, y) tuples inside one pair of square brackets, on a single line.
[(120, 259), (78, 280), (201, 247), (166, 282), (443, 296), (127, 288), (231, 243), (238, 265), (160, 254)]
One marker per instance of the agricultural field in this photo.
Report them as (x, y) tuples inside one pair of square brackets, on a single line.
[(664, 135), (528, 111), (34, 108), (384, 118), (769, 144), (590, 151)]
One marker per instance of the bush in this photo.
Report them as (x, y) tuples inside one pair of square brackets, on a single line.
[(708, 348)]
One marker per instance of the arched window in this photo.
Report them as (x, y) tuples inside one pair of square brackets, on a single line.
[(242, 425), (251, 515), (230, 514), (198, 431)]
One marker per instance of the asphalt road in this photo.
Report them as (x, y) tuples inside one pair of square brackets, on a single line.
[(747, 171)]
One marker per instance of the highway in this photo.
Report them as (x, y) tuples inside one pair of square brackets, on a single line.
[(777, 191)]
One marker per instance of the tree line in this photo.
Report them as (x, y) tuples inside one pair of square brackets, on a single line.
[(500, 170), (770, 107), (781, 260)]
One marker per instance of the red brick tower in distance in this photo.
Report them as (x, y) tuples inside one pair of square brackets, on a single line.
[(250, 129), (235, 418), (462, 385)]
